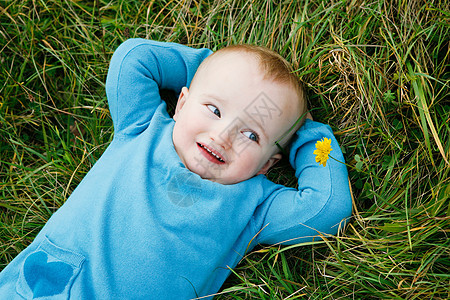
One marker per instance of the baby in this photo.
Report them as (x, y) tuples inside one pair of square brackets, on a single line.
[(175, 203), (242, 97)]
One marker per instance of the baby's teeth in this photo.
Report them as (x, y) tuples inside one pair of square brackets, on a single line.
[(215, 155)]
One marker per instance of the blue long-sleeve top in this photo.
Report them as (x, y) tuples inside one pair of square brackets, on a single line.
[(142, 226)]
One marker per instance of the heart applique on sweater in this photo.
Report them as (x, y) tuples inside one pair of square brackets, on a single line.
[(46, 278)]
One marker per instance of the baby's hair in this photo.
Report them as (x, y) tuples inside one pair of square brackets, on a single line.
[(275, 67)]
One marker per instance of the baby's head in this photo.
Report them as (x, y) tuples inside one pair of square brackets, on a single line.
[(242, 100)]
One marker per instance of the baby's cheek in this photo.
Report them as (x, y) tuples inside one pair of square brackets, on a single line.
[(249, 163), (241, 144)]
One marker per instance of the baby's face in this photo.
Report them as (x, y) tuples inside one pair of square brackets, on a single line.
[(228, 122)]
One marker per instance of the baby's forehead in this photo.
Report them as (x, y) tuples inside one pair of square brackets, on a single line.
[(230, 59), (229, 63)]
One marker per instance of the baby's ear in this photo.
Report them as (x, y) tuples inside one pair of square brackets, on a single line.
[(271, 162), (181, 100)]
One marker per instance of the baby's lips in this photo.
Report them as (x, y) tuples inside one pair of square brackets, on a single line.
[(213, 148)]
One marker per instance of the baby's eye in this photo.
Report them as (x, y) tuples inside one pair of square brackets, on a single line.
[(214, 109), (251, 135)]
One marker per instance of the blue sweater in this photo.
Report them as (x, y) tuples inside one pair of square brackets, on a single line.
[(142, 226)]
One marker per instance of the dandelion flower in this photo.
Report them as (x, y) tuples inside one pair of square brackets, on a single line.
[(323, 148)]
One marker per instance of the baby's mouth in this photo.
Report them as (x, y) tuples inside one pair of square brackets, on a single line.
[(210, 154)]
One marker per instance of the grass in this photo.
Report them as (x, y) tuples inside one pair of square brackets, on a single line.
[(376, 71)]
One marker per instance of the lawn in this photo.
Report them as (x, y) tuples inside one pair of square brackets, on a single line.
[(376, 71)]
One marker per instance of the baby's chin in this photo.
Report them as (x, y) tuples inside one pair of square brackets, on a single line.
[(223, 180)]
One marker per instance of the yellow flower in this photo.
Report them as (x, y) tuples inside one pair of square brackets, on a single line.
[(323, 148)]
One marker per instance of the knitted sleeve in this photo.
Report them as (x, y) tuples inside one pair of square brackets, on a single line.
[(139, 68), (322, 200)]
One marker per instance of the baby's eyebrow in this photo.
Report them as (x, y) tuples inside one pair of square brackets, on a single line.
[(215, 97)]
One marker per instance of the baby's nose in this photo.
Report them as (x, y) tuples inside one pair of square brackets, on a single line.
[(224, 136)]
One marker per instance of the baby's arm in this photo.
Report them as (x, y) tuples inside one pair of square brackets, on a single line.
[(322, 200), (139, 68)]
